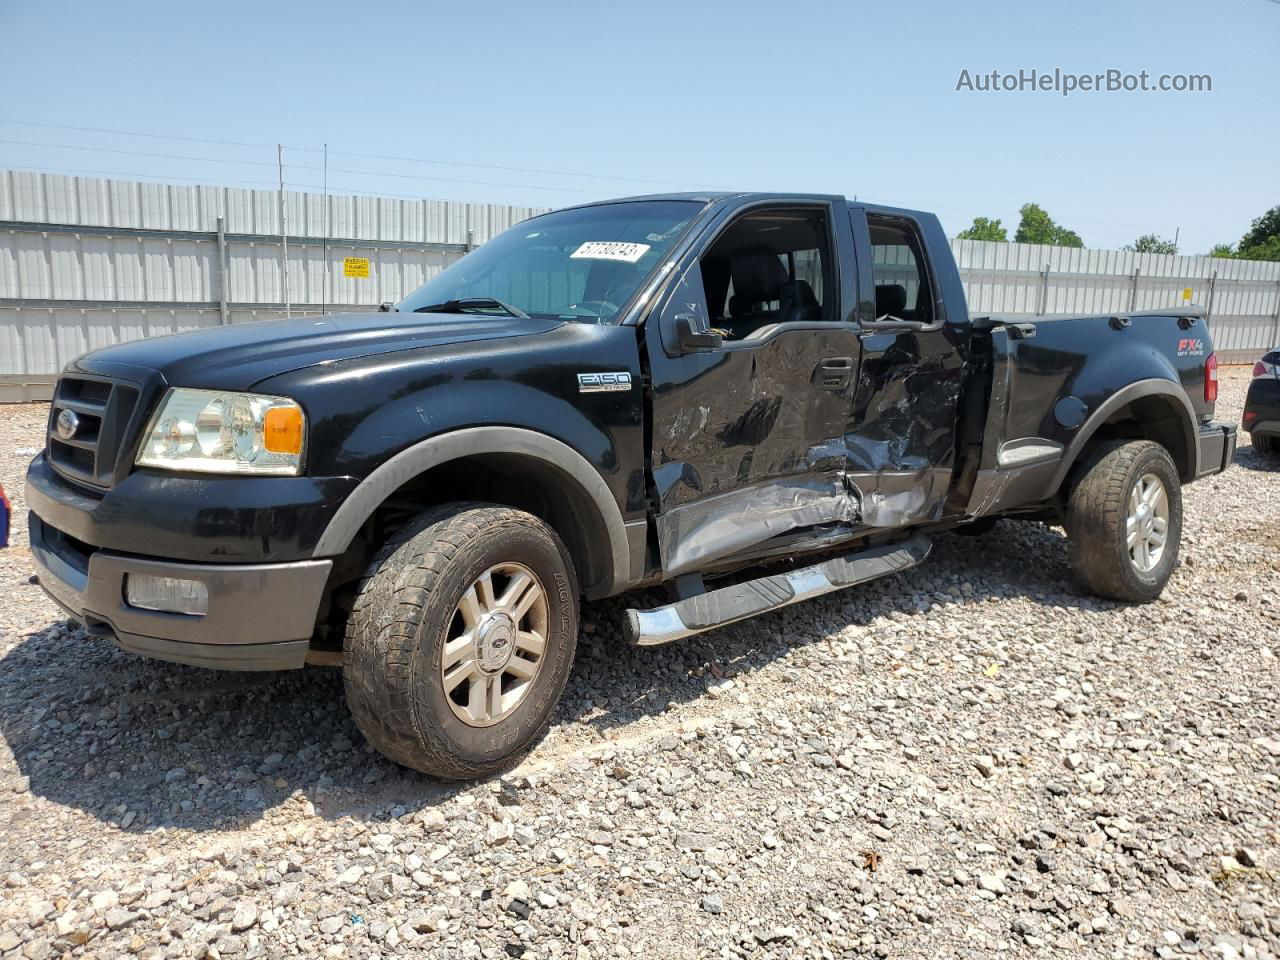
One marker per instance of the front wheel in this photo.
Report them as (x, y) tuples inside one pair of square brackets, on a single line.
[(1124, 521), (461, 640)]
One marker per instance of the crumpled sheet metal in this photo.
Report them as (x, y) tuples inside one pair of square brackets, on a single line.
[(900, 499), (908, 422), (729, 523)]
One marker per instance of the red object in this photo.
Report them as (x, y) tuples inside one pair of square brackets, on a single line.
[(1211, 379), (6, 511), (1263, 369), (1249, 418)]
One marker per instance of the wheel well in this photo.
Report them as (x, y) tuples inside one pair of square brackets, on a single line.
[(1155, 418), (511, 480)]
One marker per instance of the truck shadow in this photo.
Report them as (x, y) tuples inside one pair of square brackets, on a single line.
[(1248, 457), (143, 744)]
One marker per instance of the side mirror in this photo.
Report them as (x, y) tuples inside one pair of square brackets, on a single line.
[(691, 338)]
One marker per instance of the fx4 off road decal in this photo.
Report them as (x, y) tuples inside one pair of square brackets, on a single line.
[(1190, 347), (603, 382)]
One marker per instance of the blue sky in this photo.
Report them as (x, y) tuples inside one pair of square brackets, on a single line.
[(587, 100)]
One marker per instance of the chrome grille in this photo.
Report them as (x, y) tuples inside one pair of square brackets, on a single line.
[(103, 409)]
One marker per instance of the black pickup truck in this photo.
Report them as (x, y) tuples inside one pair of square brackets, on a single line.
[(750, 398)]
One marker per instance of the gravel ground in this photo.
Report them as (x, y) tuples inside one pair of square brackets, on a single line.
[(969, 759)]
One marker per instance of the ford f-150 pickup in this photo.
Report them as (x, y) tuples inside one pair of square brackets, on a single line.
[(751, 399)]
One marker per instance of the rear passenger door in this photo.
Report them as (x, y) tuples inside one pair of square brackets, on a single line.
[(901, 439), (747, 440)]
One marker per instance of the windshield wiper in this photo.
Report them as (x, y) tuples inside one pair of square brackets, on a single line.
[(463, 304)]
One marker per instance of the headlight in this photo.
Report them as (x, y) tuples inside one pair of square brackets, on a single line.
[(214, 432)]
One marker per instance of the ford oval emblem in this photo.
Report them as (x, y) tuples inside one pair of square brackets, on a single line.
[(67, 424)]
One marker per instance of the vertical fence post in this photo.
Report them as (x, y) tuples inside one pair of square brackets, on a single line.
[(324, 245), (284, 233), (1208, 310), (1275, 319), (1133, 290), (1044, 289), (222, 273)]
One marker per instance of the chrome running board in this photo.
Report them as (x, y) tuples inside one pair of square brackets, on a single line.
[(715, 608)]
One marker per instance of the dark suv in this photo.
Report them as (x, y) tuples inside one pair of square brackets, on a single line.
[(1261, 418)]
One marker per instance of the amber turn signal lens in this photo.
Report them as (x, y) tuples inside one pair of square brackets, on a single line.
[(282, 430)]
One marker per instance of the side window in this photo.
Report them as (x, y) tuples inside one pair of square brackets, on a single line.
[(771, 266), (898, 271)]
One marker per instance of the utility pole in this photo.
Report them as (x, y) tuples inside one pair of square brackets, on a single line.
[(284, 233)]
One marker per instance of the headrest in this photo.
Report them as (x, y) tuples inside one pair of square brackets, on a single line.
[(891, 298), (757, 275)]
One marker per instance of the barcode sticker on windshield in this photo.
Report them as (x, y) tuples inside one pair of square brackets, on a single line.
[(610, 250)]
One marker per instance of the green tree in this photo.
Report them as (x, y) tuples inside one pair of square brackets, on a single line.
[(1063, 237), (1262, 229), (984, 229), (1268, 249), (1150, 243), (1223, 250), (1036, 226)]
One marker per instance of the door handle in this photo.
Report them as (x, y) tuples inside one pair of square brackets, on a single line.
[(833, 373)]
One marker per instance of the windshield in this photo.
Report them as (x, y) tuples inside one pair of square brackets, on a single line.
[(581, 264)]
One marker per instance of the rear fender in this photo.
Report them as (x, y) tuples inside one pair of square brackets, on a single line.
[(1168, 390)]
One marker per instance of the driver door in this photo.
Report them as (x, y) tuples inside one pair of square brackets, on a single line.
[(748, 452)]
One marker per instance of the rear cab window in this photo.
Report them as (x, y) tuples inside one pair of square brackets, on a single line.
[(899, 271)]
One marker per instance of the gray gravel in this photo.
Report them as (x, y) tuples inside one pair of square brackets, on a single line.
[(970, 759)]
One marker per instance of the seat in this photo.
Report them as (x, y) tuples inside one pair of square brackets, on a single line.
[(759, 278), (797, 303), (891, 300)]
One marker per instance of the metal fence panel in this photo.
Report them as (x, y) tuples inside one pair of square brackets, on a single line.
[(88, 262), (1242, 297)]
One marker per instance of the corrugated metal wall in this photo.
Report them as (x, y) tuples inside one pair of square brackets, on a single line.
[(1242, 296), (85, 263)]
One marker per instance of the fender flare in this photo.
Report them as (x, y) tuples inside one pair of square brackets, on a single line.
[(1155, 387), (370, 494)]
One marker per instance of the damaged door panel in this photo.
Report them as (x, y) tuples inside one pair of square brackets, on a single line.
[(900, 441), (747, 437), (737, 522)]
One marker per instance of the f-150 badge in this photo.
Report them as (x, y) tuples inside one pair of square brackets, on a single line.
[(603, 382)]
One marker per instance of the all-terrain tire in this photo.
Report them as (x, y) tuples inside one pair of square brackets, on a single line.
[(1267, 445), (1097, 514), (408, 602)]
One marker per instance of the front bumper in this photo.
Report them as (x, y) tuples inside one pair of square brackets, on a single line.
[(1217, 448), (260, 617), (192, 517)]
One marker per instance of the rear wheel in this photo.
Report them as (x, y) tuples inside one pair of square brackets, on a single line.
[(461, 640), (1124, 521)]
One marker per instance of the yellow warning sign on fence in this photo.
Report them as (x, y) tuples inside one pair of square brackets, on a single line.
[(355, 266), (1186, 294)]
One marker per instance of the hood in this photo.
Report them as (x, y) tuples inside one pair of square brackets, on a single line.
[(235, 357)]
